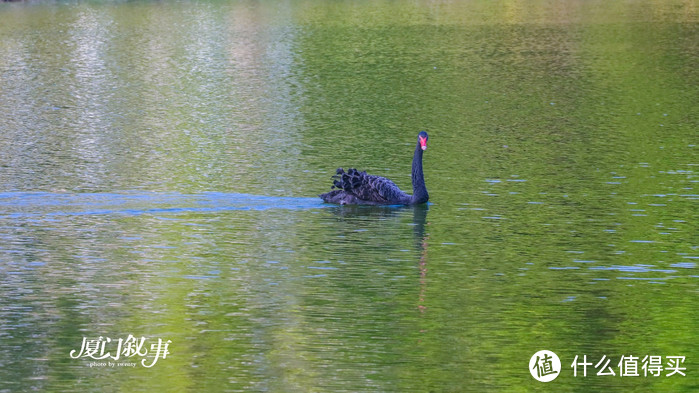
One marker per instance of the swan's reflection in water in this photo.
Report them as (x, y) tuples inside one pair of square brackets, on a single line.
[(361, 217)]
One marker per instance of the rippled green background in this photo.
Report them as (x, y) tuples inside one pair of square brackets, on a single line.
[(158, 160)]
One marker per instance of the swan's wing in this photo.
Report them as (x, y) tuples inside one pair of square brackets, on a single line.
[(385, 188), (368, 187)]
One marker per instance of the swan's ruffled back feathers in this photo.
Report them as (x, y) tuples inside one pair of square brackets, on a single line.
[(367, 188)]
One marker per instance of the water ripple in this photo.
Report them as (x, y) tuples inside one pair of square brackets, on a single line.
[(15, 205)]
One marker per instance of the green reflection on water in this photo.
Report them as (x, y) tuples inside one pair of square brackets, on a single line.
[(560, 169)]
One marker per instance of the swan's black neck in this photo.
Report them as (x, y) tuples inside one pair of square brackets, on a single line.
[(420, 194)]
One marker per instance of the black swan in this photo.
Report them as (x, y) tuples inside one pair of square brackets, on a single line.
[(359, 188)]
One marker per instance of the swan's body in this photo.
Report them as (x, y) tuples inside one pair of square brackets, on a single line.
[(360, 188)]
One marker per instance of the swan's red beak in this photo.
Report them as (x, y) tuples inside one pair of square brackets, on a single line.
[(423, 143)]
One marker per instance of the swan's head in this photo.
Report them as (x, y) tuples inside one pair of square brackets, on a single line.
[(422, 138)]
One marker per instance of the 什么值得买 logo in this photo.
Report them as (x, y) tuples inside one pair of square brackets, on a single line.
[(545, 366)]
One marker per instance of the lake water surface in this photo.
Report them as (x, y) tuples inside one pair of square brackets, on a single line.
[(160, 161)]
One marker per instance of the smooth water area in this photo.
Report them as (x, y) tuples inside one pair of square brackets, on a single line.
[(160, 161)]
